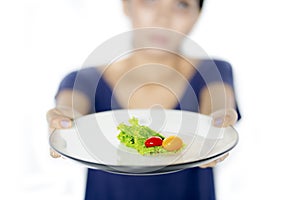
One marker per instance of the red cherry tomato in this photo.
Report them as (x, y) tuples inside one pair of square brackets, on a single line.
[(153, 141)]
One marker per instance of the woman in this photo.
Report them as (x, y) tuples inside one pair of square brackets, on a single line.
[(147, 78)]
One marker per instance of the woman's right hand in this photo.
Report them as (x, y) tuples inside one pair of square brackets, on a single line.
[(59, 118)]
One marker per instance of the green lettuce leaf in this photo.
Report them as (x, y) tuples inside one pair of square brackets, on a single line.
[(135, 135)]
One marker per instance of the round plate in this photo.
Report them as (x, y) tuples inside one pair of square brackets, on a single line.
[(92, 141)]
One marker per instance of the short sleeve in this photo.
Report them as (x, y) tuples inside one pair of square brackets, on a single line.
[(216, 71), (67, 82)]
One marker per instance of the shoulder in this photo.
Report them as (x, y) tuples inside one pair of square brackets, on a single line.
[(215, 70), (86, 73), (215, 67), (84, 76), (218, 63)]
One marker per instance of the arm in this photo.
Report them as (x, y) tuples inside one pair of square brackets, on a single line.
[(74, 97), (218, 100), (216, 96), (74, 100), (69, 105), (66, 109)]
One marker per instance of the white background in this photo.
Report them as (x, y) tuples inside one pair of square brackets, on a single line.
[(42, 40)]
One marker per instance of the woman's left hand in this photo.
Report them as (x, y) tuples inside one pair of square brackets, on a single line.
[(215, 162), (222, 118)]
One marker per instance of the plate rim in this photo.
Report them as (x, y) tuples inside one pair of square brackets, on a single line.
[(167, 168)]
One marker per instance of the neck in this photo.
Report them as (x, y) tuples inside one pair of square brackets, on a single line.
[(152, 65), (155, 57)]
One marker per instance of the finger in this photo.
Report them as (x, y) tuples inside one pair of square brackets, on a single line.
[(60, 122), (52, 113), (224, 117), (58, 112), (211, 164), (68, 111), (57, 120), (224, 121), (54, 154), (223, 157), (215, 162)]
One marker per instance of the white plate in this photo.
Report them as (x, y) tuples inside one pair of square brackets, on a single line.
[(93, 141)]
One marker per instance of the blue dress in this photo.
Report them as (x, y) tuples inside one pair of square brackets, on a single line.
[(191, 184)]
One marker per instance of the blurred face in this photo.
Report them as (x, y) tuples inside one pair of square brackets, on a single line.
[(165, 15), (178, 15)]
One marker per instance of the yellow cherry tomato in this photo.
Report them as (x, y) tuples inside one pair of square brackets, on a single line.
[(172, 143)]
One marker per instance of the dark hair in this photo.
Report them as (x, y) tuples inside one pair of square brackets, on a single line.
[(201, 4)]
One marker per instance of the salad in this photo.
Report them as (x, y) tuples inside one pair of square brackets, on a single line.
[(145, 140)]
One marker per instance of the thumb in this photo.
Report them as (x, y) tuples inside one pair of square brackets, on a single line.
[(224, 117)]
